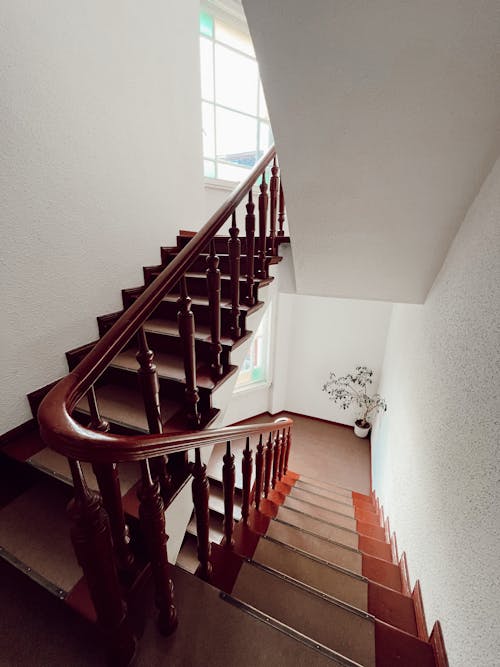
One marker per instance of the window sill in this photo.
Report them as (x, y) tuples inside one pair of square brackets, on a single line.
[(254, 386), (219, 184)]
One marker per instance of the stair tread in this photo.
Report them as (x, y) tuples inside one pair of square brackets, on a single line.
[(216, 502), (341, 584), (321, 513), (35, 529), (215, 463), (351, 634), (333, 486), (320, 528), (124, 406), (324, 492), (213, 632), (199, 300), (215, 530), (171, 328), (326, 503)]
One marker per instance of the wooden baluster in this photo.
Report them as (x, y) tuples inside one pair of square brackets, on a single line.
[(234, 252), (282, 455), (259, 464), (228, 482), (152, 516), (150, 389), (213, 284), (246, 471), (263, 202), (250, 240), (276, 458), (288, 446), (91, 538), (109, 487), (185, 319), (273, 188), (269, 463), (201, 492), (281, 214)]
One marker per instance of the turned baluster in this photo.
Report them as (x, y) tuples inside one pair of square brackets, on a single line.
[(276, 458), (259, 464), (263, 202), (250, 241), (246, 472), (234, 252), (228, 482), (213, 284), (152, 517), (281, 214), (150, 389), (185, 320), (288, 446), (201, 492), (109, 487), (91, 538), (273, 210), (281, 465), (269, 463)]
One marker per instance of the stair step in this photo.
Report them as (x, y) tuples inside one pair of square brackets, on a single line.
[(321, 492), (340, 508), (318, 527), (332, 580), (216, 502), (215, 528), (331, 486), (168, 327), (321, 513), (187, 558), (35, 536), (335, 625), (333, 552), (215, 464), (124, 407)]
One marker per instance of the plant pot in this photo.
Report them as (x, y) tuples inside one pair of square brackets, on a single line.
[(360, 430)]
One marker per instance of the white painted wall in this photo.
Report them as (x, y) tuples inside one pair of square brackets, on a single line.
[(100, 158), (386, 117), (436, 463)]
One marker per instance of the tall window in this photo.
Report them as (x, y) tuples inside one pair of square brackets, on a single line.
[(236, 129), (254, 369)]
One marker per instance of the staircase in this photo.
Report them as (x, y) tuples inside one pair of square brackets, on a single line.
[(308, 568)]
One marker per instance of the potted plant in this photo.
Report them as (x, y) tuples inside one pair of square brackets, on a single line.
[(350, 390)]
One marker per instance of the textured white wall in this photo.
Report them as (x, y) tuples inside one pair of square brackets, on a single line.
[(100, 158), (436, 460)]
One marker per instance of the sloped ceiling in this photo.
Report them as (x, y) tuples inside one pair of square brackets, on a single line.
[(386, 116)]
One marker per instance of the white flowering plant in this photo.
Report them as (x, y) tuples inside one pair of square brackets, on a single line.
[(350, 390)]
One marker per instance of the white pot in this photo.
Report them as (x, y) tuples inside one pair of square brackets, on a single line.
[(360, 431)]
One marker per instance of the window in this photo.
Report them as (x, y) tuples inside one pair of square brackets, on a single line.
[(236, 129), (254, 369)]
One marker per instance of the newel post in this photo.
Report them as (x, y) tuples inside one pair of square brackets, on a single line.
[(91, 538)]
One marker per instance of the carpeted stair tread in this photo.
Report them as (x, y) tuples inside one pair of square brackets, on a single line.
[(327, 503), (323, 493), (318, 483), (335, 553), (342, 629), (35, 529), (125, 407), (320, 512), (55, 464), (215, 633), (340, 584), (319, 527)]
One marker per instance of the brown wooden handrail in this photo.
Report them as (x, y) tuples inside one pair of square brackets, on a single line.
[(65, 435)]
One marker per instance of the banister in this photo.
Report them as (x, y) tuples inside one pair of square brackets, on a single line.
[(65, 435)]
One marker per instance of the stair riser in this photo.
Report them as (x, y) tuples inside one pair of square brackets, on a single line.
[(169, 310), (173, 345), (198, 285), (200, 263)]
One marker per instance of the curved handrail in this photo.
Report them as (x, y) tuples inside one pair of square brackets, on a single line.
[(65, 435)]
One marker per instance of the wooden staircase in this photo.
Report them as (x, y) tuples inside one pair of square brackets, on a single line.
[(308, 566)]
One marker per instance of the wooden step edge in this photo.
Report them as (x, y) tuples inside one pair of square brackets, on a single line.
[(38, 578), (394, 647), (334, 656), (437, 642)]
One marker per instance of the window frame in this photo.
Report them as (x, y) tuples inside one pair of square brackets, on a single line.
[(265, 335)]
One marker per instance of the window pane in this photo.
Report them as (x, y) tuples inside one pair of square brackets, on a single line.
[(263, 113), (236, 137), (206, 24), (236, 79), (209, 168), (206, 69), (238, 40), (208, 124), (231, 173), (265, 138)]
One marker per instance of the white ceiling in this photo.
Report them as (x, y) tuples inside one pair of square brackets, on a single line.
[(386, 116)]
